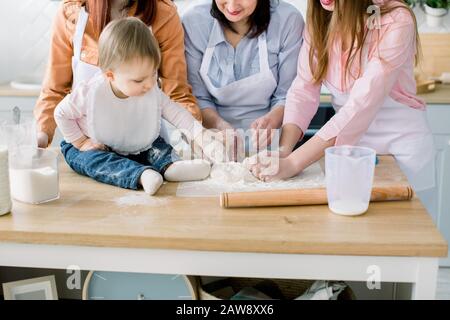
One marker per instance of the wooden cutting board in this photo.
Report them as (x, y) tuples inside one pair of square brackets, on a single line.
[(390, 184)]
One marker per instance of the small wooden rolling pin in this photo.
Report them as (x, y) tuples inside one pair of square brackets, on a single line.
[(300, 197)]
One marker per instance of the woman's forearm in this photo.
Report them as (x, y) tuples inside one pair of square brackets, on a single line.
[(290, 135), (276, 115), (212, 119), (310, 152)]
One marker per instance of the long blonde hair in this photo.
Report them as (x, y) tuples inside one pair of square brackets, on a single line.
[(348, 18)]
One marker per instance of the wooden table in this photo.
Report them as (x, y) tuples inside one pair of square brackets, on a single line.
[(93, 226)]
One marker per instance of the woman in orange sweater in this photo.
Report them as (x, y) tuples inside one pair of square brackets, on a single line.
[(74, 52)]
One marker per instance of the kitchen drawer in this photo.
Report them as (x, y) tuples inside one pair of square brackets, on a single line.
[(439, 118), (443, 182)]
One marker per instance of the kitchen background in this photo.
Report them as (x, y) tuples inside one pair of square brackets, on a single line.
[(25, 35)]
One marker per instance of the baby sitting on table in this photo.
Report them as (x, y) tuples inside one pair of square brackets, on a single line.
[(111, 123)]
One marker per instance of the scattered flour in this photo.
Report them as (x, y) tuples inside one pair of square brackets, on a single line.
[(231, 172), (140, 199), (234, 177)]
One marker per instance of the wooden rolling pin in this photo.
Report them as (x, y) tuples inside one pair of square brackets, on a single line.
[(301, 197)]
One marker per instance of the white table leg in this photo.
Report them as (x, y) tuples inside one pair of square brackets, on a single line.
[(424, 288)]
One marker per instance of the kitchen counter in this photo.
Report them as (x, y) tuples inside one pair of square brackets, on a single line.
[(7, 91), (440, 96), (101, 227)]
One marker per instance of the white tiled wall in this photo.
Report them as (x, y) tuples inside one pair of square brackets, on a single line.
[(25, 29), (24, 36)]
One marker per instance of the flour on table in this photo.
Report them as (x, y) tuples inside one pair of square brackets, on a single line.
[(231, 172), (140, 199), (234, 177)]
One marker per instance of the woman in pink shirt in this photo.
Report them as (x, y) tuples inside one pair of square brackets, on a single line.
[(366, 60)]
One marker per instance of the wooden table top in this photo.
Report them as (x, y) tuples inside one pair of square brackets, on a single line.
[(94, 214)]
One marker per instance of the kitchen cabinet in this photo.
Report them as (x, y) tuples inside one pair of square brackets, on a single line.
[(439, 118)]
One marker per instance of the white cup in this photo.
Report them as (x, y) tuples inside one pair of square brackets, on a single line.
[(349, 179)]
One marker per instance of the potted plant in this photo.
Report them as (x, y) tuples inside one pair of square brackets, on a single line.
[(411, 3), (436, 10)]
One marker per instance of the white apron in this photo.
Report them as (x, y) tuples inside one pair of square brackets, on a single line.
[(254, 90), (398, 130), (84, 71), (81, 70)]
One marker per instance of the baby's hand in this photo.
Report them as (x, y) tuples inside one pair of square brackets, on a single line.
[(90, 145), (86, 144)]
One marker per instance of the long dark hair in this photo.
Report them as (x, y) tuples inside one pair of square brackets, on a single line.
[(259, 19), (100, 11)]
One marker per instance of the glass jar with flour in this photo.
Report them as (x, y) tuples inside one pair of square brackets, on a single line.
[(5, 196), (33, 174)]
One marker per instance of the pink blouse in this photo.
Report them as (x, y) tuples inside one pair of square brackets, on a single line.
[(389, 72)]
